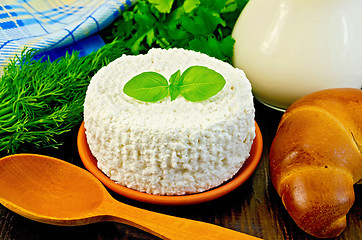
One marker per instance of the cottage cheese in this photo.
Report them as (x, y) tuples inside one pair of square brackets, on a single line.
[(168, 147)]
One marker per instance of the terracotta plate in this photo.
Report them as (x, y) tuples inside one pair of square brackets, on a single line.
[(90, 162)]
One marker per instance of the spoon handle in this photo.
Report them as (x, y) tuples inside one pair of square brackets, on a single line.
[(169, 227)]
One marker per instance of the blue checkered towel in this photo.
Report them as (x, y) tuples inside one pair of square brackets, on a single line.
[(49, 24)]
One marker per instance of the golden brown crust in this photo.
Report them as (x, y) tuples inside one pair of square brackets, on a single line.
[(316, 158)]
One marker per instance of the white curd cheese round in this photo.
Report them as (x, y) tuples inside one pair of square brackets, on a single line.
[(168, 147)]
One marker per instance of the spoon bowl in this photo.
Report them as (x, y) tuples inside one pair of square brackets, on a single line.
[(53, 191), (47, 188)]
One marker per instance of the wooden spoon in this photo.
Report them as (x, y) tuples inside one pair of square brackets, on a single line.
[(52, 191)]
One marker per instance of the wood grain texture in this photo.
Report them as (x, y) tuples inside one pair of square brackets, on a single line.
[(254, 208), (52, 191)]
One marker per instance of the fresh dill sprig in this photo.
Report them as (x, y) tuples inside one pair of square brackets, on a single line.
[(40, 100)]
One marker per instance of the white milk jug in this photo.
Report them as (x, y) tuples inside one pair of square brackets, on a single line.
[(290, 48)]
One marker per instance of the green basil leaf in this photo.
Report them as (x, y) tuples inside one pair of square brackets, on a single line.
[(175, 78), (174, 92), (147, 87), (199, 83), (174, 85)]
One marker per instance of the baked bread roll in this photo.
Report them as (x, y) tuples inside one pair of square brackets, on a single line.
[(316, 158)]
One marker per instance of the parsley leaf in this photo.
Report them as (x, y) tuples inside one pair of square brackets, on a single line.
[(187, 24), (189, 5), (163, 6)]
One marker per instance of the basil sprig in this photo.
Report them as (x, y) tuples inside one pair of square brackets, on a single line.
[(197, 83)]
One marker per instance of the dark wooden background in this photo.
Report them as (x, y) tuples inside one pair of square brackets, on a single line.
[(254, 207)]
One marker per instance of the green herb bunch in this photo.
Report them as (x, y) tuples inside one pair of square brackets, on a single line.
[(42, 100), (200, 25)]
